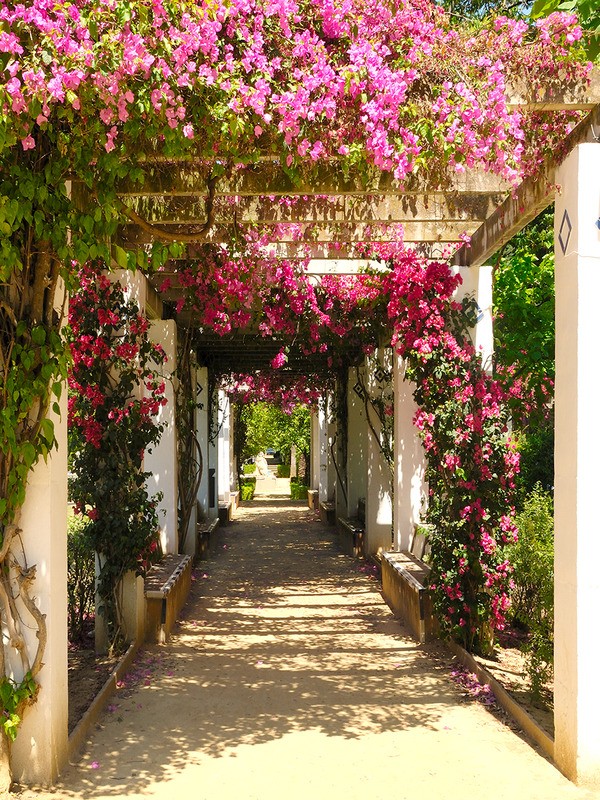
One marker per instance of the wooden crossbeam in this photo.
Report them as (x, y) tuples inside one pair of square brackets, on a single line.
[(343, 208), (358, 232), (190, 179), (532, 197), (324, 251), (556, 96)]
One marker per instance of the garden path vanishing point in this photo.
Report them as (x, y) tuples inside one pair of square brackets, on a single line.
[(289, 678)]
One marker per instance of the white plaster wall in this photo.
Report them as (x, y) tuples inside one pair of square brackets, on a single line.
[(223, 447), (477, 282), (323, 433), (577, 445), (410, 462), (202, 422), (161, 460), (357, 446), (40, 750), (315, 451), (213, 455), (379, 505)]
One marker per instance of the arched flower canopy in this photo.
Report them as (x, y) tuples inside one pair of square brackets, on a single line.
[(218, 145)]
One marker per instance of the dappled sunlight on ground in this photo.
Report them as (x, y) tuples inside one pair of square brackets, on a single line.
[(289, 676)]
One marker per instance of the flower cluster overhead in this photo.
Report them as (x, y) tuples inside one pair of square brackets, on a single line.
[(386, 84)]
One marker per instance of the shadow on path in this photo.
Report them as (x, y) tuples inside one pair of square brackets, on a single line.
[(288, 669)]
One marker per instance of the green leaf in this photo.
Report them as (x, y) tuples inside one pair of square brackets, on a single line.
[(47, 431), (120, 256), (38, 335)]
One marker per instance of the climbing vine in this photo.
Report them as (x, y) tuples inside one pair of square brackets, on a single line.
[(98, 99), (115, 396), (464, 422)]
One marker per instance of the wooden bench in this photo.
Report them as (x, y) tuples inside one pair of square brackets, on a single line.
[(225, 512), (204, 531), (166, 587), (327, 511), (351, 531), (404, 577)]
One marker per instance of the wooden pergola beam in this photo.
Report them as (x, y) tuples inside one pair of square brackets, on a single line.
[(342, 208), (532, 197), (190, 179), (350, 232), (556, 96)]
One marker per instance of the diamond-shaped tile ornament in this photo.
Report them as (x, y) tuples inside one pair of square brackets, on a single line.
[(381, 375), (479, 312), (359, 390), (564, 233)]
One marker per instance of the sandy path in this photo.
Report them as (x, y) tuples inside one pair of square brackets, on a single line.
[(289, 678)]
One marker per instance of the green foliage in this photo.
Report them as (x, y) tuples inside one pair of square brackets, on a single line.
[(248, 469), (533, 594), (267, 425), (524, 320), (588, 12), (298, 490), (283, 471), (536, 448), (13, 698), (81, 577), (477, 9), (247, 488)]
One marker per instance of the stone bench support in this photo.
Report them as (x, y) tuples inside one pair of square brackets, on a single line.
[(167, 587)]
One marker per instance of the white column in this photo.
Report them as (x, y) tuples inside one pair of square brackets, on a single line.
[(379, 505), (40, 749), (161, 460), (213, 455), (332, 451), (202, 425), (577, 534), (477, 282), (315, 451), (356, 466), (323, 432), (223, 447), (409, 461)]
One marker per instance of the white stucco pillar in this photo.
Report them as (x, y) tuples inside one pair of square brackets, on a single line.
[(409, 461), (356, 467), (577, 526), (161, 460), (40, 749), (202, 426), (224, 449), (379, 502), (477, 282), (213, 456), (323, 438), (315, 451)]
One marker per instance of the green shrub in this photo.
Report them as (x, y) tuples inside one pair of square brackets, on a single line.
[(247, 488), (298, 490), (81, 576), (283, 471), (249, 469), (533, 593), (536, 448)]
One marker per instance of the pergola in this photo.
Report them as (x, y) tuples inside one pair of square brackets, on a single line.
[(181, 201), (172, 204)]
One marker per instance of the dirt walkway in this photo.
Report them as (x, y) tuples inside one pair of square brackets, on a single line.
[(289, 678)]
